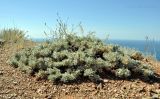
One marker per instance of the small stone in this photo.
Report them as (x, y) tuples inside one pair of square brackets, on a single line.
[(64, 89), (115, 90), (105, 80), (93, 86), (15, 83)]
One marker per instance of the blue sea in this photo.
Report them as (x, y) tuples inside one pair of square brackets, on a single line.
[(146, 47)]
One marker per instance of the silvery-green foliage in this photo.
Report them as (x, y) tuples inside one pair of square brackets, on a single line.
[(148, 73), (123, 73), (89, 61), (109, 65), (13, 62), (76, 73), (42, 74), (75, 61), (17, 56), (112, 56), (146, 66), (54, 74), (137, 55), (63, 63), (72, 57), (48, 62), (132, 64), (59, 56), (90, 52), (113, 48), (95, 78), (45, 52), (89, 72), (36, 52), (53, 70), (24, 59), (33, 64), (25, 69), (53, 77), (68, 62), (126, 60), (100, 63), (67, 77), (41, 64)]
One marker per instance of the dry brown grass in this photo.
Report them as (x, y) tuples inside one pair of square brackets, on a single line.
[(14, 36)]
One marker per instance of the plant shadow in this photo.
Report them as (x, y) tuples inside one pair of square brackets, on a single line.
[(110, 76)]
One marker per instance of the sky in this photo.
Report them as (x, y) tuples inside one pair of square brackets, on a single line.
[(120, 19)]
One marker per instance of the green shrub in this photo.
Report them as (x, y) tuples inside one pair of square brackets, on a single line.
[(123, 73), (70, 57), (67, 62), (42, 74)]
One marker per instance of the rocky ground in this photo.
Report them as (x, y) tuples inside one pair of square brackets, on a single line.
[(16, 85)]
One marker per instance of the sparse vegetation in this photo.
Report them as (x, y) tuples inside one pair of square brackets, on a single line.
[(69, 57), (14, 36)]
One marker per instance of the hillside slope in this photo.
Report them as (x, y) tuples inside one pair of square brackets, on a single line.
[(16, 85)]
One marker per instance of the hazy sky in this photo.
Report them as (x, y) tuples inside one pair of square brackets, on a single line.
[(121, 19)]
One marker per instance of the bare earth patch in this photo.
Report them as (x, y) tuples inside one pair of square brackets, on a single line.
[(16, 85)]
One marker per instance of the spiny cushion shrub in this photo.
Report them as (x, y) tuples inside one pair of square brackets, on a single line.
[(74, 57)]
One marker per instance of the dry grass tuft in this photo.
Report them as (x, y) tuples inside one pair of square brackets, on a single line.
[(14, 36)]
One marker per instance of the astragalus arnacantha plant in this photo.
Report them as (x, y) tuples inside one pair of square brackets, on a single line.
[(70, 58), (73, 57)]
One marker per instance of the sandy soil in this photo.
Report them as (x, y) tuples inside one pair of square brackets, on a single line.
[(16, 85)]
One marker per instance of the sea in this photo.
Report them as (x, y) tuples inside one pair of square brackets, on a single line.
[(148, 48)]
